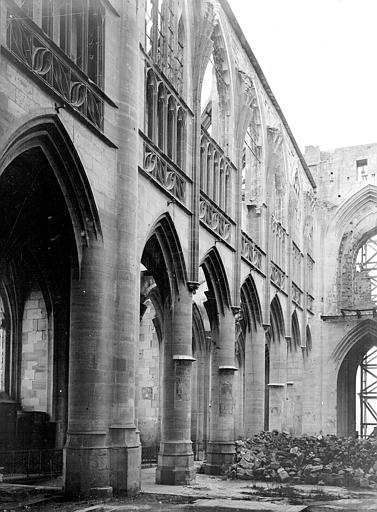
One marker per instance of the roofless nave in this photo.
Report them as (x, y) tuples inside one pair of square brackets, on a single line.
[(173, 272)]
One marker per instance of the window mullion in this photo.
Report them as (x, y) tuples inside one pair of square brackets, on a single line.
[(85, 37)]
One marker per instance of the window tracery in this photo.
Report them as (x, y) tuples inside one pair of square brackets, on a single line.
[(165, 39), (251, 158), (80, 31), (215, 172), (165, 119)]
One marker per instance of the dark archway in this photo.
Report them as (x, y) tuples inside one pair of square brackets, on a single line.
[(48, 218), (163, 261), (351, 350), (201, 379), (277, 352), (250, 377)]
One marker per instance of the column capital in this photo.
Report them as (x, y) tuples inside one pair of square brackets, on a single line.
[(183, 357), (228, 368), (192, 286), (235, 310)]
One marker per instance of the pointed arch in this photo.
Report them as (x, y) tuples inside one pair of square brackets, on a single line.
[(217, 281), (250, 304), (347, 357), (351, 207), (308, 338), (199, 340), (163, 256), (296, 335), (365, 330), (47, 134), (216, 69), (277, 320)]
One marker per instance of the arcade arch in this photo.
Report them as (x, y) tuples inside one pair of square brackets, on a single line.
[(49, 220), (349, 354)]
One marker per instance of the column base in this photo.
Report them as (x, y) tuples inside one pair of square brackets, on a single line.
[(125, 460), (86, 465), (175, 463), (220, 456)]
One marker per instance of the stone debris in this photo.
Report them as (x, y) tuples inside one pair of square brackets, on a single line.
[(321, 460)]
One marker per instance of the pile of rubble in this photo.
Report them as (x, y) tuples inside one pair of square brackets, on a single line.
[(329, 460)]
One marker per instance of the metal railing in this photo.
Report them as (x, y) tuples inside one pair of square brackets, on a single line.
[(149, 454), (31, 462)]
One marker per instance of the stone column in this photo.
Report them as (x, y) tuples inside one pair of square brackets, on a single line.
[(86, 458), (221, 447), (254, 382), (125, 453), (276, 403), (176, 458)]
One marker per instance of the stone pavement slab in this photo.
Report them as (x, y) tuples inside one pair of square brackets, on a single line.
[(350, 505), (206, 486), (240, 505)]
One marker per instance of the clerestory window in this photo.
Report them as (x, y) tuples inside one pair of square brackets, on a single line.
[(251, 159), (79, 31), (362, 169), (164, 39)]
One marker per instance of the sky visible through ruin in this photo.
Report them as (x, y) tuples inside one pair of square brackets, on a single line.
[(320, 59)]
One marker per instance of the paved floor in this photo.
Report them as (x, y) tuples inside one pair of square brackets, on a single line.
[(207, 494)]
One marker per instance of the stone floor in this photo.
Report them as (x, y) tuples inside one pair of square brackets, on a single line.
[(207, 494)]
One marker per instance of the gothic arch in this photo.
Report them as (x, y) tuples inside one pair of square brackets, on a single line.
[(365, 329), (296, 335), (250, 305), (46, 134), (347, 357), (199, 340), (276, 175), (308, 338), (277, 320), (351, 208), (163, 256), (220, 105), (217, 281)]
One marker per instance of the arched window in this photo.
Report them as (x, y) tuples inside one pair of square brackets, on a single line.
[(164, 38), (181, 138), (81, 34), (172, 126), (161, 114), (180, 57), (222, 185), (228, 190), (150, 110), (203, 163), (209, 168), (216, 175), (251, 158)]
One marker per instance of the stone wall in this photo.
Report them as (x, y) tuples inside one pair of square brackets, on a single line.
[(148, 380), (34, 365)]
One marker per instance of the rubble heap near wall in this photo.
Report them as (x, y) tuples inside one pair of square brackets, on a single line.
[(330, 460)]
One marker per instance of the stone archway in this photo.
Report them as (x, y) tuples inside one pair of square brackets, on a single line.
[(52, 272), (163, 260), (350, 353)]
